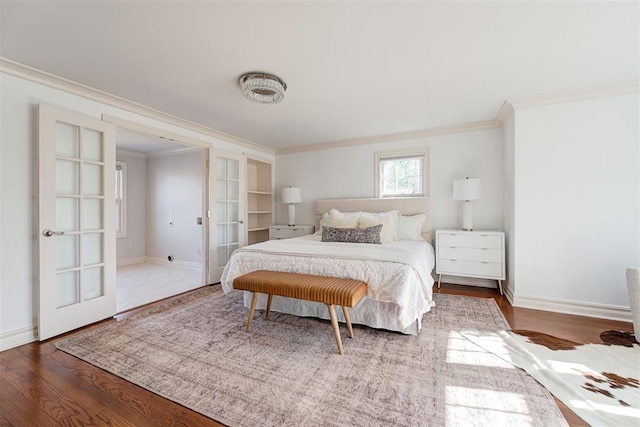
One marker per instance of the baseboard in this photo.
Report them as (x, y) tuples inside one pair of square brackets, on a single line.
[(18, 337), (182, 264), (131, 261), (600, 311)]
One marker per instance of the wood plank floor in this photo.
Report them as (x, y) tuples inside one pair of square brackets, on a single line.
[(41, 386)]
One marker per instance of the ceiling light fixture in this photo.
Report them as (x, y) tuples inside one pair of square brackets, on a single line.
[(263, 88)]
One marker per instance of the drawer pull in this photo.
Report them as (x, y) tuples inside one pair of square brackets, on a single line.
[(484, 235), (484, 262), (484, 249)]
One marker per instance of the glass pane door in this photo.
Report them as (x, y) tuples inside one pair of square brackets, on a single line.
[(227, 208), (76, 220), (79, 193)]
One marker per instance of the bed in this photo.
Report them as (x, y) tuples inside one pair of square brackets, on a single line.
[(397, 271)]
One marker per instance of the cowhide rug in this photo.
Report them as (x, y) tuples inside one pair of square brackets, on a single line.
[(599, 382)]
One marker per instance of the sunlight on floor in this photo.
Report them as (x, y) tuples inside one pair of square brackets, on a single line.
[(614, 408), (465, 406), (140, 284), (462, 351)]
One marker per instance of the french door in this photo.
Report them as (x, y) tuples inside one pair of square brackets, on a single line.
[(76, 234), (228, 233)]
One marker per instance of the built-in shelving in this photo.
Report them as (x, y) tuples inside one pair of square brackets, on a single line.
[(259, 199)]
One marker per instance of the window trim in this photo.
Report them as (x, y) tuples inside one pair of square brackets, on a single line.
[(122, 232), (406, 152)]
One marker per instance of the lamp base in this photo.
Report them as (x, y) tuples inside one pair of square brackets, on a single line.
[(467, 216), (291, 210)]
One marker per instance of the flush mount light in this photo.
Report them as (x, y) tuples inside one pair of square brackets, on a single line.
[(263, 88)]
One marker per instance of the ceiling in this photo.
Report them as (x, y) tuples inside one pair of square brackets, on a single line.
[(147, 144), (353, 69)]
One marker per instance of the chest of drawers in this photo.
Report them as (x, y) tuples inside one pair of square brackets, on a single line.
[(277, 232), (470, 254)]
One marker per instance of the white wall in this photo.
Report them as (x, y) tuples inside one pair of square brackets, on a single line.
[(509, 135), (349, 172), (18, 191), (174, 194), (133, 247), (577, 205)]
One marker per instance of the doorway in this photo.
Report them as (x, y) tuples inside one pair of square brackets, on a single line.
[(161, 248)]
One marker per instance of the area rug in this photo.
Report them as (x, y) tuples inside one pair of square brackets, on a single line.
[(599, 382), (287, 372)]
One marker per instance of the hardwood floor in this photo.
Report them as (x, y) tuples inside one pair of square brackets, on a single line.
[(42, 386)]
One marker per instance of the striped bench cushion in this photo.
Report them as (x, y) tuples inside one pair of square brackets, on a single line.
[(327, 290)]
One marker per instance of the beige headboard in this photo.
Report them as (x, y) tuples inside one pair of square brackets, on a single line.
[(406, 206)]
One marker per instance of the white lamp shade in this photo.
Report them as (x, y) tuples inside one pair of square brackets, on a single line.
[(467, 189), (291, 195)]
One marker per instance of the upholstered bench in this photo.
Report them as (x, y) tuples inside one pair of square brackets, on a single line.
[(331, 291)]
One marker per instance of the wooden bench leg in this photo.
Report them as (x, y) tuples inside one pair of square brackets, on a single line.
[(266, 313), (347, 319), (336, 329), (254, 300)]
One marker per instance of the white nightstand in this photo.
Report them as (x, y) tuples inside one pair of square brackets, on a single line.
[(277, 232), (470, 254)]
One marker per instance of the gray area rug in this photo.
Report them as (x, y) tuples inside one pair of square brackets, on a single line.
[(286, 371)]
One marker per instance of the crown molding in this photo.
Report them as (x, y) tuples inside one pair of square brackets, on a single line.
[(169, 153), (441, 130), (505, 112), (156, 154), (129, 153), (47, 79), (604, 91)]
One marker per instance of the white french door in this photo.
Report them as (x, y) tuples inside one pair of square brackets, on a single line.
[(76, 221), (227, 172)]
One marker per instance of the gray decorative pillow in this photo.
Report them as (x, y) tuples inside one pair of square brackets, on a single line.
[(352, 235)]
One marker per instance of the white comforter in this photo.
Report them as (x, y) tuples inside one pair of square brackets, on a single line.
[(398, 273)]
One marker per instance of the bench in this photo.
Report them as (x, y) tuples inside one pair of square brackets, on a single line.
[(331, 291)]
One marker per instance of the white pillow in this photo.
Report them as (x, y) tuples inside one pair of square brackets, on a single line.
[(389, 221), (335, 218), (409, 227)]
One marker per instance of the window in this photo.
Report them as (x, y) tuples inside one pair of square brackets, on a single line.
[(121, 199), (401, 173)]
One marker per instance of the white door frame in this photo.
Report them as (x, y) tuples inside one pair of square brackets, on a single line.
[(153, 131)]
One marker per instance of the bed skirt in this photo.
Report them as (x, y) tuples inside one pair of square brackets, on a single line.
[(375, 314)]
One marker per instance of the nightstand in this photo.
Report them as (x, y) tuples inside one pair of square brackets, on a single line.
[(470, 254), (277, 232)]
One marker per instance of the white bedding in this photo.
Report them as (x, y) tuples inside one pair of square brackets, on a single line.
[(398, 275)]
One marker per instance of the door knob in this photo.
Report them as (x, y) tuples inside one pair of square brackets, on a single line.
[(48, 233)]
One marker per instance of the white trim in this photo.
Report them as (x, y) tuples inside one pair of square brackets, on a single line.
[(131, 261), (127, 153), (175, 152), (604, 91), (601, 311), (122, 232), (505, 112), (442, 130), (143, 129), (18, 337), (42, 77), (182, 264)]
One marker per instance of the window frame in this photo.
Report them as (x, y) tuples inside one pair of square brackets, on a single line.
[(121, 213), (407, 152)]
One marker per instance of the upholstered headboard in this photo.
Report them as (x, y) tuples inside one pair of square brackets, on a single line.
[(406, 206)]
